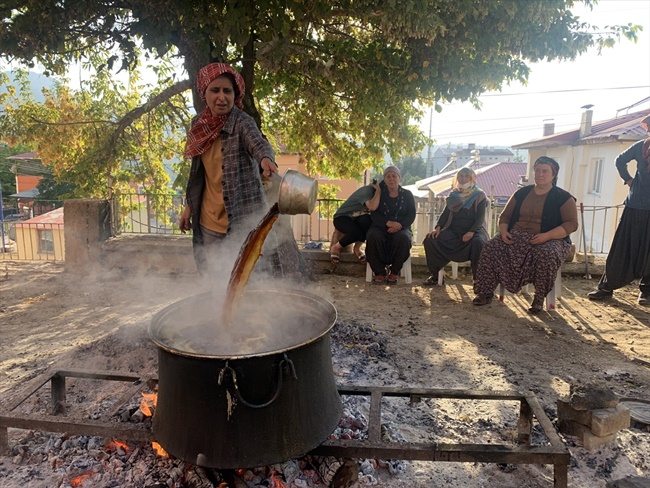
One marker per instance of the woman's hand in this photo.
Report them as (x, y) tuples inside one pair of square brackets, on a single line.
[(268, 167), (434, 233), (467, 236), (393, 226), (506, 236), (540, 238), (184, 221)]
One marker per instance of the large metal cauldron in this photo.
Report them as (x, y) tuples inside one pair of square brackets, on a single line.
[(262, 397)]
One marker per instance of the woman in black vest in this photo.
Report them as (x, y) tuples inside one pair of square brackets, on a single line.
[(534, 239)]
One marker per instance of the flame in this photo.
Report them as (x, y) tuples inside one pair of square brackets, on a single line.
[(148, 403), (275, 482), (115, 445), (159, 450), (78, 481)]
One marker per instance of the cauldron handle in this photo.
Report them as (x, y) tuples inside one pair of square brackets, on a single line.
[(286, 365)]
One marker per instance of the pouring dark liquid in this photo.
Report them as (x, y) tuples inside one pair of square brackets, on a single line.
[(243, 268)]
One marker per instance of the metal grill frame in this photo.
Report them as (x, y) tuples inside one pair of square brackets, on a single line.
[(374, 447)]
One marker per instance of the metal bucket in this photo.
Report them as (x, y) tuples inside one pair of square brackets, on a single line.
[(249, 407), (297, 194)]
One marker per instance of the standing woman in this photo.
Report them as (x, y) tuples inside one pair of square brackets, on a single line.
[(388, 241), (228, 152), (629, 257), (534, 239), (460, 233)]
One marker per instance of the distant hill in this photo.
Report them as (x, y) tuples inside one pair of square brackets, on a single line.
[(37, 81)]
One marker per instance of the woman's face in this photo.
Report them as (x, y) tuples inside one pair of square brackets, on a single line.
[(392, 180), (543, 174), (220, 96), (463, 178)]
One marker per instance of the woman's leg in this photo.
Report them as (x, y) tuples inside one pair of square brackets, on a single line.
[(352, 231), (547, 260), (476, 247), (435, 258), (376, 254), (400, 249), (486, 278)]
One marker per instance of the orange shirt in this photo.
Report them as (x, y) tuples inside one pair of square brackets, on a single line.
[(213, 209)]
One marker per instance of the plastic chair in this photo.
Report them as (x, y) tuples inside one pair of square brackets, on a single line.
[(553, 296), (406, 272), (454, 273)]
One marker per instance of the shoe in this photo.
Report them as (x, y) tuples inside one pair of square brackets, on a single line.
[(335, 258), (482, 299), (599, 294), (379, 279), (534, 310), (432, 281), (643, 298), (392, 279), (362, 258)]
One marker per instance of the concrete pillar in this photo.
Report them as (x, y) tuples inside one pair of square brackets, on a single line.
[(86, 223)]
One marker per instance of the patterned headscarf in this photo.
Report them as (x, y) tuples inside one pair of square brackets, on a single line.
[(207, 127), (463, 197)]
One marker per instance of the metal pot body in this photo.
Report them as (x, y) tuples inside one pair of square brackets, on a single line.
[(231, 412), (298, 193)]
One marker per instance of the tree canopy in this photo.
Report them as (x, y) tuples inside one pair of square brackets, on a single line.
[(336, 81)]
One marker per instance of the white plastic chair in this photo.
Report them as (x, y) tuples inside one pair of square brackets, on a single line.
[(553, 296), (454, 273), (406, 272)]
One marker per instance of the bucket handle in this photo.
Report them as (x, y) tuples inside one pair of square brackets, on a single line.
[(285, 367)]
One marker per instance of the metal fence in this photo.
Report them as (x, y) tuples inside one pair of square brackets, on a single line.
[(157, 213)]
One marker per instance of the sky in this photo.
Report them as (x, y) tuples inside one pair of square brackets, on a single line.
[(558, 90)]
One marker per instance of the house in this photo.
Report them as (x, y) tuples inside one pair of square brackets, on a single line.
[(455, 157), (29, 172), (586, 156), (41, 238)]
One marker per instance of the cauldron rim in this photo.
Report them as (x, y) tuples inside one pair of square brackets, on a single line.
[(158, 318)]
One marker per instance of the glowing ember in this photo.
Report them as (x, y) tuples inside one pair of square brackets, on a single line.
[(78, 481), (113, 446), (159, 450), (148, 403)]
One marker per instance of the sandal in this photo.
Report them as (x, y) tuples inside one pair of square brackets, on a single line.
[(362, 258), (482, 299), (392, 279), (379, 279), (335, 258), (432, 281)]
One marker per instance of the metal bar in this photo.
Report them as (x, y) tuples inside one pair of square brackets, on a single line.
[(525, 424), (374, 423), (29, 389), (58, 394), (48, 423)]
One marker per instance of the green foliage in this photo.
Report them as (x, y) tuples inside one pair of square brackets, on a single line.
[(329, 201), (413, 168), (7, 178), (333, 80)]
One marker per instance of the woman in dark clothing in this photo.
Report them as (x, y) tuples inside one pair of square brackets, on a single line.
[(460, 232), (629, 257), (353, 220), (388, 241), (534, 239)]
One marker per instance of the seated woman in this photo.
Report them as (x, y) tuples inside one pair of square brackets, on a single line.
[(460, 232), (388, 241), (353, 220), (534, 239)]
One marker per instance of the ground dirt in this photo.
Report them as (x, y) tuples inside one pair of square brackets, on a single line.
[(421, 337)]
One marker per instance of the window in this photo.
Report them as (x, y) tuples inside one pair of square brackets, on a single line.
[(597, 175), (45, 241)]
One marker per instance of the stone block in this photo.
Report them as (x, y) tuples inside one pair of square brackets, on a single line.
[(591, 396), (584, 434), (566, 412), (610, 420)]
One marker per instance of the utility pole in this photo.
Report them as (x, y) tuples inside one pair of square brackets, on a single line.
[(429, 171)]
